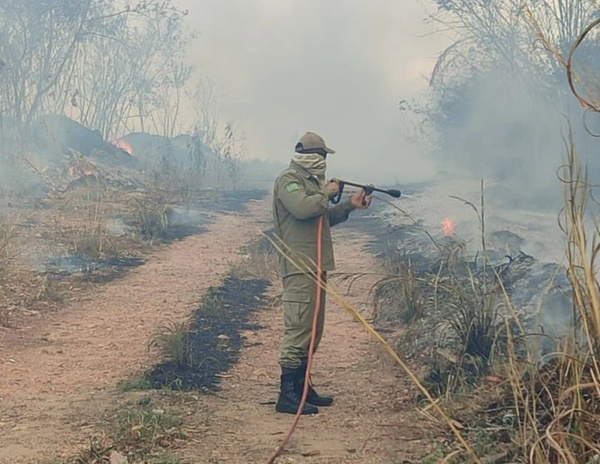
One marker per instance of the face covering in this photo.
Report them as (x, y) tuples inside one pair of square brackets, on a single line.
[(315, 164)]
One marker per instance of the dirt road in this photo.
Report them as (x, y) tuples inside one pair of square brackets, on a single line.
[(372, 420), (58, 376)]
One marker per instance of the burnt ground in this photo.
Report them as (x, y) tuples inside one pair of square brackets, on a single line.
[(215, 336), (183, 223), (62, 372), (373, 420), (236, 200), (191, 221), (88, 269)]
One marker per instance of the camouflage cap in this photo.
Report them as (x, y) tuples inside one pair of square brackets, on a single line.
[(312, 141)]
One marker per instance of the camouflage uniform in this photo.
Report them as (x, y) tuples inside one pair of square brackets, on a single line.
[(299, 199)]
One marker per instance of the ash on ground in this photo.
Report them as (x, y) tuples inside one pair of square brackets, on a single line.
[(438, 238), (213, 340)]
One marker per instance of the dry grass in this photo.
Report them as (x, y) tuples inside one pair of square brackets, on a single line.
[(400, 296), (450, 314), (90, 218), (7, 254), (557, 406), (91, 237), (141, 432), (173, 342), (301, 264), (7, 234), (87, 214), (259, 261), (518, 410), (548, 411)]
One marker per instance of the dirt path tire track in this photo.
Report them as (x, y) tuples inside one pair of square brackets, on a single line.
[(58, 374), (373, 420), (65, 370)]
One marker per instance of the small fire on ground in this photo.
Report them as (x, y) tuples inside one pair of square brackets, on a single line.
[(448, 227), (123, 145)]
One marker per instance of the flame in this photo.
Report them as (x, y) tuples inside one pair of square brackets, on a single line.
[(448, 227), (71, 171), (123, 145)]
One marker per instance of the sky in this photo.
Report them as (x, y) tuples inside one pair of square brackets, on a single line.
[(335, 67)]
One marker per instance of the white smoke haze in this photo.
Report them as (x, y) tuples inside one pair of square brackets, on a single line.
[(276, 69), (341, 68), (338, 68)]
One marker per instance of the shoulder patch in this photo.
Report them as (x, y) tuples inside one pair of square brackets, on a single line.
[(292, 187)]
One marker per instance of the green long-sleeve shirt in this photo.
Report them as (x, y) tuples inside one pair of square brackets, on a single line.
[(298, 201)]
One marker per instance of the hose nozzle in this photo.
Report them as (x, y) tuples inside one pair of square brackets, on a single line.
[(369, 189)]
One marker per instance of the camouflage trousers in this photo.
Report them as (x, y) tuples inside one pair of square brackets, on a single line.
[(299, 301)]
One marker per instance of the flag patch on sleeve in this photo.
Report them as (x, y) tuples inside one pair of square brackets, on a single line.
[(292, 187)]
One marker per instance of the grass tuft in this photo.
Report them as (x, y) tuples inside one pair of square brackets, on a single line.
[(140, 432), (173, 341), (401, 296)]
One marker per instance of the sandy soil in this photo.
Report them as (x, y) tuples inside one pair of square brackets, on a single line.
[(372, 420), (59, 374)]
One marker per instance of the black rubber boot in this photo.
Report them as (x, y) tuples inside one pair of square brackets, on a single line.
[(289, 400), (313, 397)]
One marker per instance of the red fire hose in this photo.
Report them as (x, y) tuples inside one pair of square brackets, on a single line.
[(313, 337)]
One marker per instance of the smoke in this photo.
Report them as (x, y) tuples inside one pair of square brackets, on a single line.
[(506, 131), (338, 68)]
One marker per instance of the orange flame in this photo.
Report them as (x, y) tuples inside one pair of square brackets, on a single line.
[(71, 171), (123, 145), (448, 227)]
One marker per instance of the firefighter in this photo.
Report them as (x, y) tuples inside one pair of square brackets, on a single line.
[(301, 195)]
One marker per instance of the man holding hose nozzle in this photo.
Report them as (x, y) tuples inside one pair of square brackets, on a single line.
[(301, 196)]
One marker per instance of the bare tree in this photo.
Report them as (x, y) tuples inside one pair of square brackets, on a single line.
[(231, 148), (90, 60), (140, 71), (493, 33), (206, 104), (170, 73), (39, 41), (497, 96)]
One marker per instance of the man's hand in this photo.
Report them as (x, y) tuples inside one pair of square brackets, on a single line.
[(360, 200), (332, 187)]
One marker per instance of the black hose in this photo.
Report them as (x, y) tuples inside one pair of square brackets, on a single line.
[(369, 189)]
